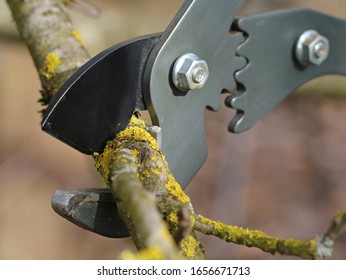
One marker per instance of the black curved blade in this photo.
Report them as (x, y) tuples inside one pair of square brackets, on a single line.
[(98, 100)]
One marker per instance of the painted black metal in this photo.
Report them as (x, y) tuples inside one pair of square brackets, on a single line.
[(99, 99)]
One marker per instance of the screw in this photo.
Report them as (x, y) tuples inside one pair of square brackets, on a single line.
[(312, 48), (190, 72)]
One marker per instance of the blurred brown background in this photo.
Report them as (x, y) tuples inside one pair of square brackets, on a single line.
[(286, 176)]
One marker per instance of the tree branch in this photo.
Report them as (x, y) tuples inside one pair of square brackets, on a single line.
[(257, 239), (318, 247), (58, 51), (137, 207), (157, 212), (54, 44), (326, 241), (144, 158)]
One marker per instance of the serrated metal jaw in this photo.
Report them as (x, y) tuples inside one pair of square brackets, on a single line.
[(202, 28)]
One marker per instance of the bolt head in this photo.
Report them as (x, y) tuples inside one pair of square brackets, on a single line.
[(312, 48), (190, 72)]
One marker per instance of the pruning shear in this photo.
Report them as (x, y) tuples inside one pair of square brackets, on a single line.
[(205, 51)]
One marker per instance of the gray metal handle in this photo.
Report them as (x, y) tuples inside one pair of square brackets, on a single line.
[(274, 70)]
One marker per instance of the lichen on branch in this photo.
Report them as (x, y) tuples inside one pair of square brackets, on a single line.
[(54, 44), (320, 246), (154, 176), (257, 239), (157, 212)]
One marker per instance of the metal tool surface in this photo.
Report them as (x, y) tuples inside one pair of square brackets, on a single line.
[(202, 28), (98, 100), (204, 52), (273, 71), (91, 209)]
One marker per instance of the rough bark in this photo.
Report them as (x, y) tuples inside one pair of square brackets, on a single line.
[(134, 155), (58, 51), (157, 212), (54, 44)]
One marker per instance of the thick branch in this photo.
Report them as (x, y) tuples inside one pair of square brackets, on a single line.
[(137, 207), (153, 174), (132, 165), (58, 51), (54, 44)]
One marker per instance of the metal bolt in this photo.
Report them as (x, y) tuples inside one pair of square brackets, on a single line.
[(190, 72), (320, 49), (312, 48)]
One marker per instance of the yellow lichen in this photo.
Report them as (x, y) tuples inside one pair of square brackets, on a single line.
[(193, 219), (189, 245), (102, 163), (137, 121), (77, 36), (174, 188), (51, 63), (157, 170), (137, 134), (151, 253), (134, 153), (145, 174), (173, 218), (256, 238)]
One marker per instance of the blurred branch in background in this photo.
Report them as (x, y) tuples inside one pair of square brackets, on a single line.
[(84, 7), (57, 51), (48, 65)]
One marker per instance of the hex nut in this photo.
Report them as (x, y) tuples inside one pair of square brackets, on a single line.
[(190, 72), (312, 48)]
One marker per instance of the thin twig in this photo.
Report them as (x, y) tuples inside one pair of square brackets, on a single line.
[(256, 238)]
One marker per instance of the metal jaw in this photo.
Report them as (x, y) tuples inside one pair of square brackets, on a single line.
[(262, 69), (201, 28), (275, 67), (91, 209), (98, 100), (180, 115)]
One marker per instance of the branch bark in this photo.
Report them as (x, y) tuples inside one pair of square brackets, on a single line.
[(157, 212), (135, 152), (58, 51), (54, 44)]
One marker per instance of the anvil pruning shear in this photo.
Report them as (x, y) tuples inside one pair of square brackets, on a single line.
[(205, 51)]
